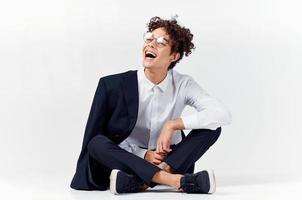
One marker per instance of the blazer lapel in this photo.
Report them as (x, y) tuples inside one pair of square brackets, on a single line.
[(130, 89)]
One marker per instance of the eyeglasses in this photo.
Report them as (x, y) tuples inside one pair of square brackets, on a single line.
[(159, 41)]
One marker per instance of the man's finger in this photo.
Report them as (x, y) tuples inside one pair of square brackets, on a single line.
[(159, 156), (157, 148), (166, 148), (161, 147), (163, 154), (157, 162)]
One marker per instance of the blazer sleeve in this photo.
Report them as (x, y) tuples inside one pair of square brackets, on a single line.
[(98, 114)]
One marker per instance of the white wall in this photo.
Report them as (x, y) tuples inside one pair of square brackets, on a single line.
[(52, 54)]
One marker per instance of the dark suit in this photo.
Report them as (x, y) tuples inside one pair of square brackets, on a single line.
[(111, 119), (113, 114)]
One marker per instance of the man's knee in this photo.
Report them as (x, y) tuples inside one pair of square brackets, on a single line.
[(98, 143), (216, 134)]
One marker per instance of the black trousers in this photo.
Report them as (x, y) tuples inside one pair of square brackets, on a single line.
[(182, 157)]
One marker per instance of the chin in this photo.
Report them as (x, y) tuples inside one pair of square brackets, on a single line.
[(147, 64)]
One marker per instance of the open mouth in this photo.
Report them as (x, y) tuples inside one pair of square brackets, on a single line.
[(150, 55)]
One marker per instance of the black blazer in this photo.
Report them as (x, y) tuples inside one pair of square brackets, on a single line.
[(113, 114)]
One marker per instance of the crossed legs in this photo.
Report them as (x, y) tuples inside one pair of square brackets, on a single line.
[(179, 160)]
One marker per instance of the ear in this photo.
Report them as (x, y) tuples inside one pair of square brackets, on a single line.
[(175, 56)]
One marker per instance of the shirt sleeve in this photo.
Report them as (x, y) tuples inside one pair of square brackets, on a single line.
[(133, 148), (211, 113)]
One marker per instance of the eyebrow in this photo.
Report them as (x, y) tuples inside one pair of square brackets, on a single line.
[(166, 39)]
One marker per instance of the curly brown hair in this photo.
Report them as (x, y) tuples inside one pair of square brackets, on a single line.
[(181, 37)]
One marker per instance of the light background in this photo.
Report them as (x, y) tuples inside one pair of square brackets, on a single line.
[(248, 55)]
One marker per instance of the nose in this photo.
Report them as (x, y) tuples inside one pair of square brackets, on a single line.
[(152, 43)]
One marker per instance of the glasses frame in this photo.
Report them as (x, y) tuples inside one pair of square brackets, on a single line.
[(160, 41)]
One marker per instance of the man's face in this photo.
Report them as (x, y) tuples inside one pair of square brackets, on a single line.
[(157, 52)]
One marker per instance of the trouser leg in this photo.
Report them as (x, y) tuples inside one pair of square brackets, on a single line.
[(191, 148), (104, 151)]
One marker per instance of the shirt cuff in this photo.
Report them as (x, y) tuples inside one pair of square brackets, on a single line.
[(140, 152)]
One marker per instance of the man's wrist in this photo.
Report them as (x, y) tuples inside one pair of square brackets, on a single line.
[(146, 154), (176, 124)]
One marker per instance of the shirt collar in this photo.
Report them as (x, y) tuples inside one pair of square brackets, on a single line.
[(149, 85)]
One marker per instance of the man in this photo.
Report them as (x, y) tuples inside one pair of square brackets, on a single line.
[(134, 139)]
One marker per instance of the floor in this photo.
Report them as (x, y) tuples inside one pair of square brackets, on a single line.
[(58, 188)]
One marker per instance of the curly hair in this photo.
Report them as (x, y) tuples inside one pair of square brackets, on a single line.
[(181, 37)]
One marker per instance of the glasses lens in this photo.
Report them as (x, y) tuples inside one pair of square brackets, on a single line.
[(161, 41), (148, 37)]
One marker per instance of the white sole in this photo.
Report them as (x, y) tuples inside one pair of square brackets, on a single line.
[(212, 181), (113, 176)]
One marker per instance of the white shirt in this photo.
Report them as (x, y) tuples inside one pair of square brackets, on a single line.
[(166, 101)]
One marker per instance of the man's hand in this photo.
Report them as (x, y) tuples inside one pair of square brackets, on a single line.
[(164, 139), (154, 157)]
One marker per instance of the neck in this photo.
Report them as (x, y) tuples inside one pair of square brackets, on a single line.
[(155, 76)]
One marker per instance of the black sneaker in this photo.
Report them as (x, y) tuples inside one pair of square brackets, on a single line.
[(201, 182), (121, 182)]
